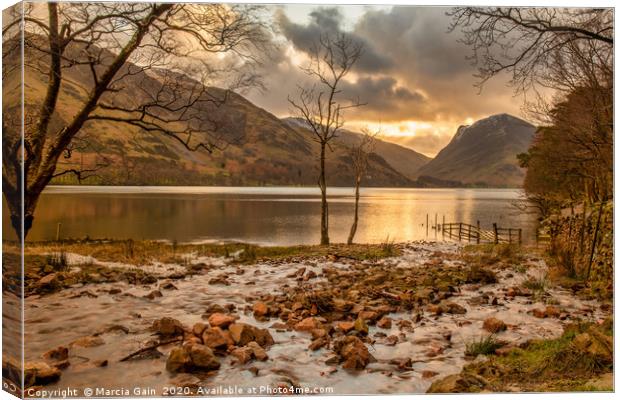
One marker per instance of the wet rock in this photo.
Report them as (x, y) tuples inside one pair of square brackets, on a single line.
[(257, 351), (260, 310), (100, 363), (460, 383), (178, 359), (453, 308), (552, 312), (318, 343), (221, 280), (202, 357), (353, 352), (212, 309), (369, 316), (403, 363), (318, 333), (494, 325), (385, 323), (40, 373), (88, 341), (48, 280), (391, 340), (191, 357), (221, 320), (309, 275), (216, 339), (168, 286), (242, 334), (426, 374), (242, 354), (153, 295), (59, 354), (199, 328), (167, 327), (185, 380), (361, 327), (308, 324), (345, 326)]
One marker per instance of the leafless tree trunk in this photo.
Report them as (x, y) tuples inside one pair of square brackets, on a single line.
[(332, 58), (360, 152), (118, 45)]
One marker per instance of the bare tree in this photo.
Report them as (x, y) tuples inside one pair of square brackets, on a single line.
[(360, 153), (112, 47), (321, 107), (527, 42)]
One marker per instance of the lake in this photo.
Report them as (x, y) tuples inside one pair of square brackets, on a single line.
[(264, 215)]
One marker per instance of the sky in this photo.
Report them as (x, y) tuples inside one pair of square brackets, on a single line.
[(414, 75)]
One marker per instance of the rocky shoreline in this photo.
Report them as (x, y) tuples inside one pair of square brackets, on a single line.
[(401, 316)]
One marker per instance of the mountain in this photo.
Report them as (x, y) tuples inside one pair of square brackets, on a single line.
[(260, 149), (404, 160), (484, 153)]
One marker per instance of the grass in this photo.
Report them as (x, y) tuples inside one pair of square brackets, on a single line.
[(142, 252), (583, 353), (482, 346)]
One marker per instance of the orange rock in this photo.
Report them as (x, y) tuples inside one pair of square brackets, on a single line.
[(260, 309), (221, 320), (308, 324)]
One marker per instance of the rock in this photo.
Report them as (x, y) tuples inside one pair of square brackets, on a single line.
[(88, 341), (318, 333), (353, 351), (453, 308), (178, 360), (40, 373), (191, 357), (167, 327), (391, 340), (59, 354), (198, 329), (212, 309), (48, 280), (369, 316), (243, 334), (154, 294), (426, 374), (257, 351), (100, 363), (216, 339), (385, 323), (494, 325), (203, 358), (539, 313), (167, 286), (308, 324), (403, 363), (260, 310), (552, 312), (318, 343), (242, 354), (345, 326), (460, 383), (221, 320), (361, 327)]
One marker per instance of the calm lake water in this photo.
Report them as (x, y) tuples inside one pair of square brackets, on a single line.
[(263, 215)]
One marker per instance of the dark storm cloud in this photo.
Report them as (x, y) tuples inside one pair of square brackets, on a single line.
[(328, 21)]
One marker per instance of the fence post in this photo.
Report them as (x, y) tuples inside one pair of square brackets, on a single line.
[(520, 236), (495, 233), (435, 225), (478, 232), (443, 227), (426, 224), (58, 231), (460, 230)]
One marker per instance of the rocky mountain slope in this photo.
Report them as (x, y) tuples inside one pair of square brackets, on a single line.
[(257, 147), (484, 153)]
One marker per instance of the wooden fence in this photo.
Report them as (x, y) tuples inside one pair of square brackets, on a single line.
[(473, 233)]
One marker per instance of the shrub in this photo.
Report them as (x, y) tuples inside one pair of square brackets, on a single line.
[(484, 345)]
